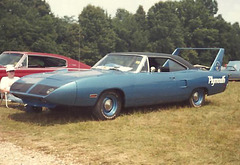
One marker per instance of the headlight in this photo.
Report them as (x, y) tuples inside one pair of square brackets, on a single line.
[(50, 90)]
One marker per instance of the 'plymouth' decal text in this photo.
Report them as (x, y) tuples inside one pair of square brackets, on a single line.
[(214, 81)]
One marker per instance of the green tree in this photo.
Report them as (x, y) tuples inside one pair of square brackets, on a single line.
[(131, 30), (98, 37), (164, 28), (198, 22), (140, 18), (123, 25), (211, 5), (235, 40), (27, 25), (68, 38), (141, 35)]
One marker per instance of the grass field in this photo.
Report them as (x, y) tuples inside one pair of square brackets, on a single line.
[(165, 134)]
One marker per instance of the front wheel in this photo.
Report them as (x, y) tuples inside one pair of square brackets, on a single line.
[(108, 105), (33, 109), (197, 98)]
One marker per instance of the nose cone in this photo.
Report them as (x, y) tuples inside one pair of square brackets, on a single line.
[(65, 94)]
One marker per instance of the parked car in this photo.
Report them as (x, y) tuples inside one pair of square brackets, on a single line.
[(233, 70), (32, 62), (123, 80)]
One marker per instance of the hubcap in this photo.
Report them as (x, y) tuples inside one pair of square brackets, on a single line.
[(108, 105), (196, 96)]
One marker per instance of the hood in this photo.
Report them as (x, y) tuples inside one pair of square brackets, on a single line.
[(54, 79), (61, 76)]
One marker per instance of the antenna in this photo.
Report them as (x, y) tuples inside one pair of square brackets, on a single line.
[(79, 49)]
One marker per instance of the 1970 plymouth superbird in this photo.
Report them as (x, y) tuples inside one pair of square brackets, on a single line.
[(123, 80)]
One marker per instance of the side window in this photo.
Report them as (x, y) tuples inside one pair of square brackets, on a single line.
[(42, 62), (158, 64), (161, 64), (174, 66), (35, 62)]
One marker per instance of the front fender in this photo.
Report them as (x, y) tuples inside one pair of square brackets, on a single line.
[(65, 95)]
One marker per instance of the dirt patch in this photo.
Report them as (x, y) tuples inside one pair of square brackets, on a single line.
[(12, 154)]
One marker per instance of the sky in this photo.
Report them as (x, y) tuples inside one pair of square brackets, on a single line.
[(230, 9)]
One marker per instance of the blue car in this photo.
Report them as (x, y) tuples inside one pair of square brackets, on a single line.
[(123, 80), (233, 70)]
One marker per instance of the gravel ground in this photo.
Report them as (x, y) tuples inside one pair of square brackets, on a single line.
[(11, 154)]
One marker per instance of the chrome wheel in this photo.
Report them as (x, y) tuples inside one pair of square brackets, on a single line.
[(197, 98), (108, 105)]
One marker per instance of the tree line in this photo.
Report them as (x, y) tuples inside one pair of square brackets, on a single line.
[(29, 25)]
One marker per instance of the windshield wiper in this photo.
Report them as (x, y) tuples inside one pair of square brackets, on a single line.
[(115, 68)]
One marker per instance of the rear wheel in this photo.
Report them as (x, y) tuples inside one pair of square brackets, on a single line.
[(197, 98), (108, 105)]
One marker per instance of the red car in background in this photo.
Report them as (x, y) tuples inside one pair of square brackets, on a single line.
[(32, 62)]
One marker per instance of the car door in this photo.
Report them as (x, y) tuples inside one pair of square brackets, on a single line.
[(156, 86), (182, 77)]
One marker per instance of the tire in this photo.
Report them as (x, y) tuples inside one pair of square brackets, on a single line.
[(32, 109), (57, 108), (197, 98), (108, 106)]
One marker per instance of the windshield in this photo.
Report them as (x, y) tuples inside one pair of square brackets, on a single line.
[(10, 58), (119, 62)]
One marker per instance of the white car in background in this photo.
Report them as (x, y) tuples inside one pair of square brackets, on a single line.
[(233, 70)]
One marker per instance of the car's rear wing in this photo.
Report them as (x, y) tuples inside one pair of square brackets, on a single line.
[(217, 63)]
